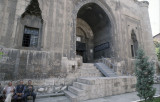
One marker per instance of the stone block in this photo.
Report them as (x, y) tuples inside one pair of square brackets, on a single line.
[(76, 91), (81, 86), (41, 90)]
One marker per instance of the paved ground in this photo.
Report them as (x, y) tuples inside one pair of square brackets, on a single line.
[(128, 97), (53, 99)]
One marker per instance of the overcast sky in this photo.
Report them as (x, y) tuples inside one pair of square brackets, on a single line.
[(154, 12)]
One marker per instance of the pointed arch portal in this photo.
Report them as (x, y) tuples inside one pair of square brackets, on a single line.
[(93, 33)]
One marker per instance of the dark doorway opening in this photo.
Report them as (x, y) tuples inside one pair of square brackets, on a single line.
[(93, 29)]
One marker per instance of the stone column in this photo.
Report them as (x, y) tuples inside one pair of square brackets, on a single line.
[(147, 31)]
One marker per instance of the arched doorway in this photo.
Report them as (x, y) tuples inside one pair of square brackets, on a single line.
[(93, 33)]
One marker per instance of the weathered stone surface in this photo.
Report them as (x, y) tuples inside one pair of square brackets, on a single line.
[(41, 89), (91, 88), (105, 26), (59, 24)]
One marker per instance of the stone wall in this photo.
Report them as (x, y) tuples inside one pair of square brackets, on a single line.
[(91, 88), (45, 86), (101, 87), (58, 37), (20, 64)]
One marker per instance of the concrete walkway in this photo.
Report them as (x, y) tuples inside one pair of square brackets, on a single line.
[(128, 97)]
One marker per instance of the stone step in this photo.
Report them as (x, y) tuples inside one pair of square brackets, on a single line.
[(90, 75), (50, 95), (112, 75), (76, 91), (71, 96), (89, 71), (85, 81), (85, 68), (88, 64), (80, 86)]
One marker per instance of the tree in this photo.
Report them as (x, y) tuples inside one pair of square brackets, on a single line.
[(144, 71), (157, 45), (158, 53)]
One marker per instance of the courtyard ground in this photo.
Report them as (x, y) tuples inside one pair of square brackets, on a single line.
[(128, 97)]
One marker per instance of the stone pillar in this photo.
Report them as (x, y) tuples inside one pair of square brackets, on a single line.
[(147, 32)]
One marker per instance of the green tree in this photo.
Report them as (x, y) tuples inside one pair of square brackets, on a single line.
[(157, 45), (158, 53), (1, 53), (144, 71)]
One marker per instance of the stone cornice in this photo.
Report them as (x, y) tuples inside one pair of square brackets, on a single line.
[(143, 3)]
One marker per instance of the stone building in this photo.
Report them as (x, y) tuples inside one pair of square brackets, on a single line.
[(156, 37), (47, 38)]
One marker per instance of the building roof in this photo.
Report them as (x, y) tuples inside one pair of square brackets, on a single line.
[(156, 35)]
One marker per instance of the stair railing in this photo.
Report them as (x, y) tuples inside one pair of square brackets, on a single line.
[(109, 64)]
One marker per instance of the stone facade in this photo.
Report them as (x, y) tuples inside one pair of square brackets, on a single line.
[(105, 26), (156, 37)]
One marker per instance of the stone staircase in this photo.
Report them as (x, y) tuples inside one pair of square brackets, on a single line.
[(108, 72), (86, 70), (89, 70), (77, 92), (97, 87)]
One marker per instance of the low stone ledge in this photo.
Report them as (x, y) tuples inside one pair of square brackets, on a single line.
[(51, 95), (107, 86)]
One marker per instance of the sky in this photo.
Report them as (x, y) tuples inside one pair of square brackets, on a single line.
[(154, 13)]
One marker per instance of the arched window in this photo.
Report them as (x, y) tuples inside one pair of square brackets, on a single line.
[(32, 21)]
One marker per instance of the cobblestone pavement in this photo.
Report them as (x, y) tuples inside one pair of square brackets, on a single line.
[(128, 97)]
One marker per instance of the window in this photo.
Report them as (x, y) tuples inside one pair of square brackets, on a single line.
[(79, 38), (134, 45), (30, 37), (132, 50)]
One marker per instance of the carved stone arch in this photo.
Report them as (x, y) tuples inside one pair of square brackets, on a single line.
[(82, 32), (103, 5), (33, 9), (108, 17), (81, 24)]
